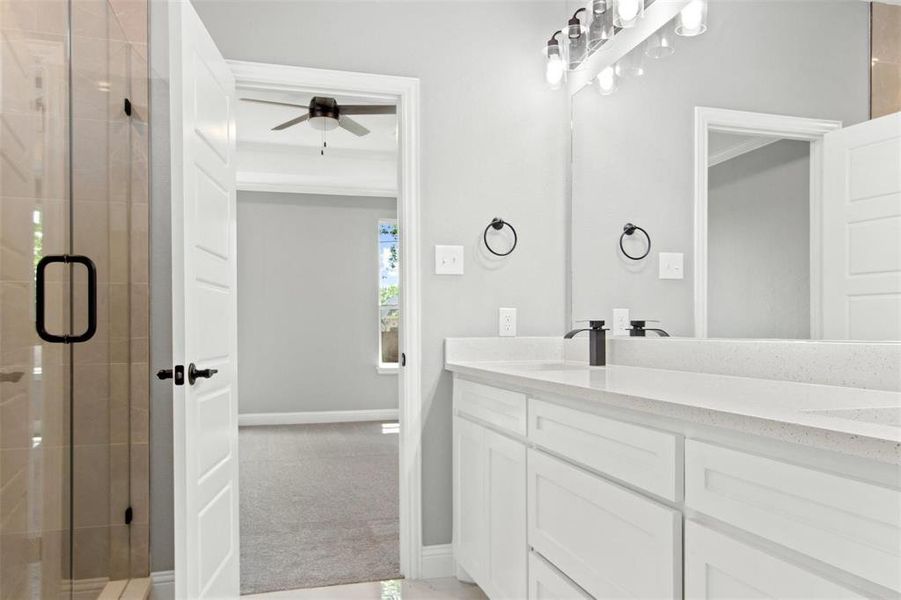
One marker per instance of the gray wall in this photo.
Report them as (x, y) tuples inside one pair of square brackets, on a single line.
[(162, 550), (308, 303), (633, 151), (760, 290), (494, 143)]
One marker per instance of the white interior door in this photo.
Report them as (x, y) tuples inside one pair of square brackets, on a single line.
[(862, 231), (204, 313)]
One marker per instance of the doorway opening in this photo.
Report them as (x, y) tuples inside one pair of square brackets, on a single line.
[(327, 316)]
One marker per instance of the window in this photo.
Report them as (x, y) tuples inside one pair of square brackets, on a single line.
[(389, 309)]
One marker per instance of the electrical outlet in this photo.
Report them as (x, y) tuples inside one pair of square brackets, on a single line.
[(506, 322), (620, 321)]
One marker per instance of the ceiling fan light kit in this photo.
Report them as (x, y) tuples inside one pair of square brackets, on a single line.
[(325, 114)]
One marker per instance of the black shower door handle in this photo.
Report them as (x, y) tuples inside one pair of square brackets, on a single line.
[(40, 324)]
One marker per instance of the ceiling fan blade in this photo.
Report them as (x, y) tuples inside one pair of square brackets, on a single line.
[(367, 109), (352, 126), (273, 102), (292, 122)]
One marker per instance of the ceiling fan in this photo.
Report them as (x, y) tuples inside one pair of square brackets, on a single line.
[(326, 114)]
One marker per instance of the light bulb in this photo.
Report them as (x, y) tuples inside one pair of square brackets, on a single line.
[(607, 81), (628, 12), (628, 9), (692, 19), (554, 71)]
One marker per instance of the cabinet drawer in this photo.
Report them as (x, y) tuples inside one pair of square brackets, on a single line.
[(501, 408), (612, 542), (546, 583), (718, 567), (643, 457), (849, 524)]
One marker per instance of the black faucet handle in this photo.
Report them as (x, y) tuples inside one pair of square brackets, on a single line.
[(593, 323), (642, 322)]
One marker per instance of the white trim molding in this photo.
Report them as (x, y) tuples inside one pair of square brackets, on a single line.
[(322, 416), (775, 126), (404, 92), (162, 585), (437, 561), (749, 145)]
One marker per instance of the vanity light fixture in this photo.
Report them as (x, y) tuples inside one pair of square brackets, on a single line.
[(631, 65), (576, 40), (627, 13), (554, 69), (601, 27), (661, 44), (692, 19), (607, 81)]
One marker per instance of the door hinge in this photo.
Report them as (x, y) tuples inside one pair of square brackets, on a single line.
[(129, 515), (403, 359)]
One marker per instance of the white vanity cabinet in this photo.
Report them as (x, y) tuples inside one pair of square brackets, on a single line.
[(612, 542), (718, 567), (490, 496), (553, 501)]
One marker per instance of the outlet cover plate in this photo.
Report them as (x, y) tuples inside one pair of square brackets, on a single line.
[(506, 322), (620, 324)]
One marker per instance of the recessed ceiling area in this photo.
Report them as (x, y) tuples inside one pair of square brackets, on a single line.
[(294, 159)]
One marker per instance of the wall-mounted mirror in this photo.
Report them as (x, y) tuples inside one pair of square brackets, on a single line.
[(751, 151)]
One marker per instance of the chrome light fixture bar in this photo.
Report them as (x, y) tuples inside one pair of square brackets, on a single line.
[(578, 59)]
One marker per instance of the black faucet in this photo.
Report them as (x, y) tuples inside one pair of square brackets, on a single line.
[(597, 342), (638, 329)]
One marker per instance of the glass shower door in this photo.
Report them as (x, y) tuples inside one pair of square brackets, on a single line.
[(34, 374), (73, 182)]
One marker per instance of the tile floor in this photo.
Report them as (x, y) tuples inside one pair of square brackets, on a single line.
[(395, 589)]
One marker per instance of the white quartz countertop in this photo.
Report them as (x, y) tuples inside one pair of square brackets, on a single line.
[(859, 422)]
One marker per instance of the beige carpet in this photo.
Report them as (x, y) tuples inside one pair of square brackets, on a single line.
[(319, 505)]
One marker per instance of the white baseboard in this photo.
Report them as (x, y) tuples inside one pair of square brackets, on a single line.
[(325, 416), (163, 587), (437, 561)]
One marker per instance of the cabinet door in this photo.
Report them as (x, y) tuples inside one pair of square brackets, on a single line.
[(505, 505), (612, 542), (546, 583), (470, 536), (718, 567)]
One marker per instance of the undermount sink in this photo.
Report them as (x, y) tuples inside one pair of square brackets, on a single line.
[(885, 415)]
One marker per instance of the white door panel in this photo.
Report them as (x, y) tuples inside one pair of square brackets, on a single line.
[(204, 316), (861, 294)]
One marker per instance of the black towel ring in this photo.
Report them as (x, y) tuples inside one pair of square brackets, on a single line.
[(629, 229), (498, 224)]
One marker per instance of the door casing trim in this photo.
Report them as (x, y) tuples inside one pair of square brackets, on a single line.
[(404, 91), (751, 123)]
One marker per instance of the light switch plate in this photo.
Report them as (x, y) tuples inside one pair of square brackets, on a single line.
[(671, 265), (506, 322), (620, 324), (448, 260)]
